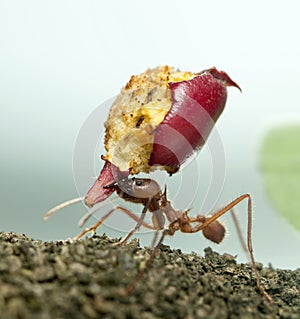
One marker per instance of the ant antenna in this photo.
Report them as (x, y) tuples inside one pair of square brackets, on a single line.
[(63, 205)]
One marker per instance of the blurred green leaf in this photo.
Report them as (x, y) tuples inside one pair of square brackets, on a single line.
[(280, 163)]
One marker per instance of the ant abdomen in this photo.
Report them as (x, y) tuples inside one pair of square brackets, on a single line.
[(215, 232)]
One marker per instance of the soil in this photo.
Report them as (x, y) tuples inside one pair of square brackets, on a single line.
[(88, 279)]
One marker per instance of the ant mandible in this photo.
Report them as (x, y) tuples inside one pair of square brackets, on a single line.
[(147, 192)]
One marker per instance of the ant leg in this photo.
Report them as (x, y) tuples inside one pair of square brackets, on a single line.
[(154, 239), (221, 212), (239, 231), (140, 275), (158, 220), (134, 217), (137, 226), (100, 222)]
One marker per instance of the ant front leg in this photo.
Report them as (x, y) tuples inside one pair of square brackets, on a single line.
[(94, 227), (137, 226), (212, 227)]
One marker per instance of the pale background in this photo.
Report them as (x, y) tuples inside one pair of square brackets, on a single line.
[(59, 60)]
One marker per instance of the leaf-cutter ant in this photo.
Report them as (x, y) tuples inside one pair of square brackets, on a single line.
[(147, 192)]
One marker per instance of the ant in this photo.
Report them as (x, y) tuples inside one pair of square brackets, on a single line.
[(147, 192)]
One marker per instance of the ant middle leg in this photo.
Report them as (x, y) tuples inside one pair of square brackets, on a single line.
[(149, 261)]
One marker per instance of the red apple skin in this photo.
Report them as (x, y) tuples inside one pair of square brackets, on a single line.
[(108, 175), (196, 106)]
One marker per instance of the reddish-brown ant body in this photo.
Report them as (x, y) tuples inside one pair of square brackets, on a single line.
[(148, 193)]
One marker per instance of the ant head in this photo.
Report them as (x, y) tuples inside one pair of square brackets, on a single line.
[(138, 187)]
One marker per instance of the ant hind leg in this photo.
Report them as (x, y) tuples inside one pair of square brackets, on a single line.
[(207, 221)]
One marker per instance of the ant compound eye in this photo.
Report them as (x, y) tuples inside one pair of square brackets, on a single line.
[(139, 183)]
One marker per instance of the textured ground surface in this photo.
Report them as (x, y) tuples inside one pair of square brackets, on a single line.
[(87, 279)]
